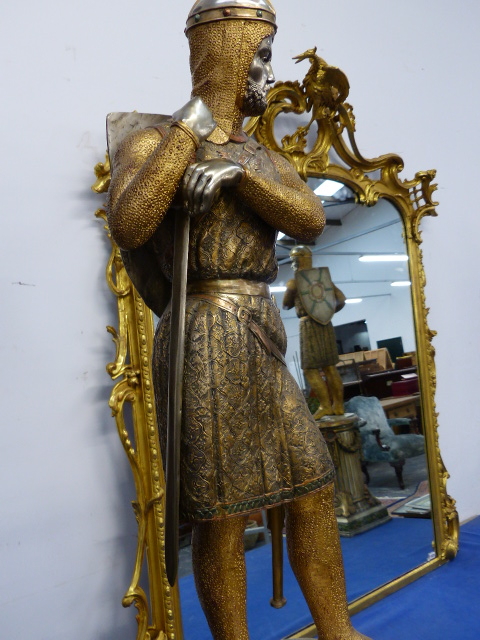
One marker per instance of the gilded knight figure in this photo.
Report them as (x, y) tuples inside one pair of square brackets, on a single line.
[(316, 299), (247, 439)]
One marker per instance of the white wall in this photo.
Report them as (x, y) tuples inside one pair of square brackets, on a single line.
[(68, 531)]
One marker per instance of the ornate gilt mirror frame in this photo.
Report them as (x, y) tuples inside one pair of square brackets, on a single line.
[(322, 95)]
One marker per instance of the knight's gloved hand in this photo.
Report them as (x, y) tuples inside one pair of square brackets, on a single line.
[(202, 182), (198, 117)]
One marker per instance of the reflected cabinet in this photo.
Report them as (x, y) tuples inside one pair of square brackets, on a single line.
[(372, 247)]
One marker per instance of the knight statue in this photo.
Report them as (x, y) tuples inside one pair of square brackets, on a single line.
[(195, 195), (316, 299)]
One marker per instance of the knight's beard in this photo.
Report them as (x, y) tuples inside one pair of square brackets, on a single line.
[(255, 99)]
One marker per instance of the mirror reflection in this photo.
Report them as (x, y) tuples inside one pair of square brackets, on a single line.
[(383, 502)]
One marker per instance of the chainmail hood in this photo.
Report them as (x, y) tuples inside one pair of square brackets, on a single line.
[(221, 53)]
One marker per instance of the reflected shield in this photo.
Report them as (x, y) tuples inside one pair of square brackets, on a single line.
[(317, 293)]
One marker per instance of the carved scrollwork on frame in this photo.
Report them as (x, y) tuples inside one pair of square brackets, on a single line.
[(325, 147), (158, 614)]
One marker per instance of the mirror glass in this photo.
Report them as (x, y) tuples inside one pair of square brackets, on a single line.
[(376, 341), (365, 251)]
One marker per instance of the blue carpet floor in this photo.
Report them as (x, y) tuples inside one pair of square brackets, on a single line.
[(443, 605), (369, 562)]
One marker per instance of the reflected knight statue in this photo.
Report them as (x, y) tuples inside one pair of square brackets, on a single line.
[(247, 438), (316, 299)]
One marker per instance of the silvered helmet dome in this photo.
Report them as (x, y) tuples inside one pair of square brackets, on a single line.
[(212, 10)]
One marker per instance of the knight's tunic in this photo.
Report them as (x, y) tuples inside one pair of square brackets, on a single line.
[(248, 439)]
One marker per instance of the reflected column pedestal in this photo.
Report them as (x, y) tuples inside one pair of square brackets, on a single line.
[(355, 507)]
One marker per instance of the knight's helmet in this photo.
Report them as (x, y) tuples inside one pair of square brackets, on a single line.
[(204, 11), (224, 36), (301, 258)]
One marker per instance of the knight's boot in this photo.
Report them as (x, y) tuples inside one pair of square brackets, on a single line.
[(220, 576), (315, 555), (335, 387), (320, 389)]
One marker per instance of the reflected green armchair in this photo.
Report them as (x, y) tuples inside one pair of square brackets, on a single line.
[(379, 442)]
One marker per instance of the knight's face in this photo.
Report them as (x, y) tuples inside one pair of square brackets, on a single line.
[(260, 76), (301, 262)]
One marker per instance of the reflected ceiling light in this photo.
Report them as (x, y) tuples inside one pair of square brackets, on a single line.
[(388, 257), (277, 289), (401, 283), (328, 188), (353, 300), (280, 236)]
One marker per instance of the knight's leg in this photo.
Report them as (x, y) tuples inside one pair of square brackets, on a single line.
[(316, 558), (319, 386), (220, 576), (335, 386)]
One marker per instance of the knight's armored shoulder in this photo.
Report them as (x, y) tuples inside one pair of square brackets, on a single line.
[(287, 172), (289, 295), (141, 264), (138, 145), (291, 285)]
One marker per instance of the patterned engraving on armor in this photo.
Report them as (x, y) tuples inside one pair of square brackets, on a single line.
[(275, 201), (145, 176), (248, 437), (314, 550), (240, 403)]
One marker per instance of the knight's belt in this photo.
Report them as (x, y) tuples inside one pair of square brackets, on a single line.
[(231, 287), (210, 290)]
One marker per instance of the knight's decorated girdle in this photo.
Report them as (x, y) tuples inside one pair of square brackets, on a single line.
[(198, 184)]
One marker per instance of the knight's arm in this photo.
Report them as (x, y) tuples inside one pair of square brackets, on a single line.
[(288, 205), (340, 299), (289, 295), (146, 172)]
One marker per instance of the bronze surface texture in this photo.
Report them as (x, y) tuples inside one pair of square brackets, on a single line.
[(235, 240)]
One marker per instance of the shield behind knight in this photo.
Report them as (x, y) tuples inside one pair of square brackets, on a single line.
[(317, 293), (141, 264)]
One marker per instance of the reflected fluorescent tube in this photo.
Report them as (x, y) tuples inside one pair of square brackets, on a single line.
[(277, 289), (401, 283), (388, 257), (353, 300), (328, 188)]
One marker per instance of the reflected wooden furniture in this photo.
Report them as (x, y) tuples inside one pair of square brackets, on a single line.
[(379, 384), (381, 356), (352, 372), (403, 407), (356, 366)]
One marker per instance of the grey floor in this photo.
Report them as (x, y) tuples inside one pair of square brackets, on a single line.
[(383, 481)]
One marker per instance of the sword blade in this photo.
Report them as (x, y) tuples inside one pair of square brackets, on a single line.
[(175, 392)]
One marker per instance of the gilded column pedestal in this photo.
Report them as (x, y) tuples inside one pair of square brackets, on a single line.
[(357, 510)]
